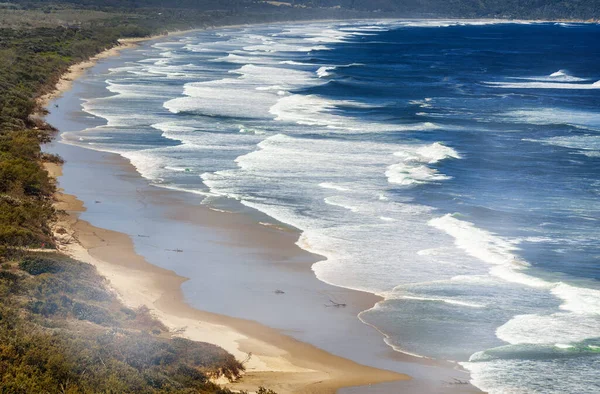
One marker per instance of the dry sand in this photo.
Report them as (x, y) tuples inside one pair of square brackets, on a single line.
[(77, 70), (272, 359)]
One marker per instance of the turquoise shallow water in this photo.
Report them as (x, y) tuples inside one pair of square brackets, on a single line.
[(452, 168)]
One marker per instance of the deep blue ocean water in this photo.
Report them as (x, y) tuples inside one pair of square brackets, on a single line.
[(451, 167)]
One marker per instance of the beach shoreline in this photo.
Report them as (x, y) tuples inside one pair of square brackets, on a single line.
[(278, 361), (271, 359), (77, 70)]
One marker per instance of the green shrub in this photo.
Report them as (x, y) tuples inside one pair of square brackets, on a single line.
[(52, 158), (11, 282), (93, 313), (8, 276), (39, 265), (45, 308)]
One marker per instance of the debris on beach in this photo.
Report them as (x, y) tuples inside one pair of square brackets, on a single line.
[(458, 381), (335, 304), (279, 291)]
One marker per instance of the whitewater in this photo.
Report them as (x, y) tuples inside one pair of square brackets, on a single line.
[(450, 167)]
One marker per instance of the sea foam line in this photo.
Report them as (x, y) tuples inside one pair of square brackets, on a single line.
[(500, 253)]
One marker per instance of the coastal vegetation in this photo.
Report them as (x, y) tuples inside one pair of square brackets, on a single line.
[(521, 9), (301, 9), (39, 41), (61, 329)]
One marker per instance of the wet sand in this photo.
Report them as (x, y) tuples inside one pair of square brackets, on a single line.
[(251, 289), (76, 71), (273, 359)]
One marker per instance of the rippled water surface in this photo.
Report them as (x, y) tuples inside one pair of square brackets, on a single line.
[(452, 168)]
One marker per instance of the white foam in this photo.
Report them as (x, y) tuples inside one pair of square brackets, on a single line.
[(338, 202), (413, 169), (522, 376), (295, 63), (582, 305), (563, 75), (250, 95), (425, 103), (243, 59), (324, 72), (564, 346), (406, 175), (447, 301), (188, 190), (132, 90), (273, 76), (329, 185), (549, 329), (579, 300), (477, 242), (317, 34), (544, 85), (147, 164), (335, 189), (547, 116), (567, 25), (273, 47), (437, 23), (186, 71), (221, 100), (588, 145), (558, 76), (177, 169), (435, 152), (313, 110)]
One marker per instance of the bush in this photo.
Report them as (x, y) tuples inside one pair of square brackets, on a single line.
[(52, 158), (45, 308), (93, 313), (39, 265), (11, 281), (262, 390), (8, 276)]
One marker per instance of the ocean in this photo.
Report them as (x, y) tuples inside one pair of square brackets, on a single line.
[(450, 167)]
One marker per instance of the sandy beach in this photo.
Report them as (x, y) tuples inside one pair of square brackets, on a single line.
[(273, 357), (78, 70)]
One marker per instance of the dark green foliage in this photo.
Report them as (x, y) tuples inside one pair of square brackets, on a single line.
[(25, 190), (51, 158), (529, 9), (9, 277), (39, 265), (526, 9), (35, 55), (109, 350), (32, 60), (61, 330), (93, 313)]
